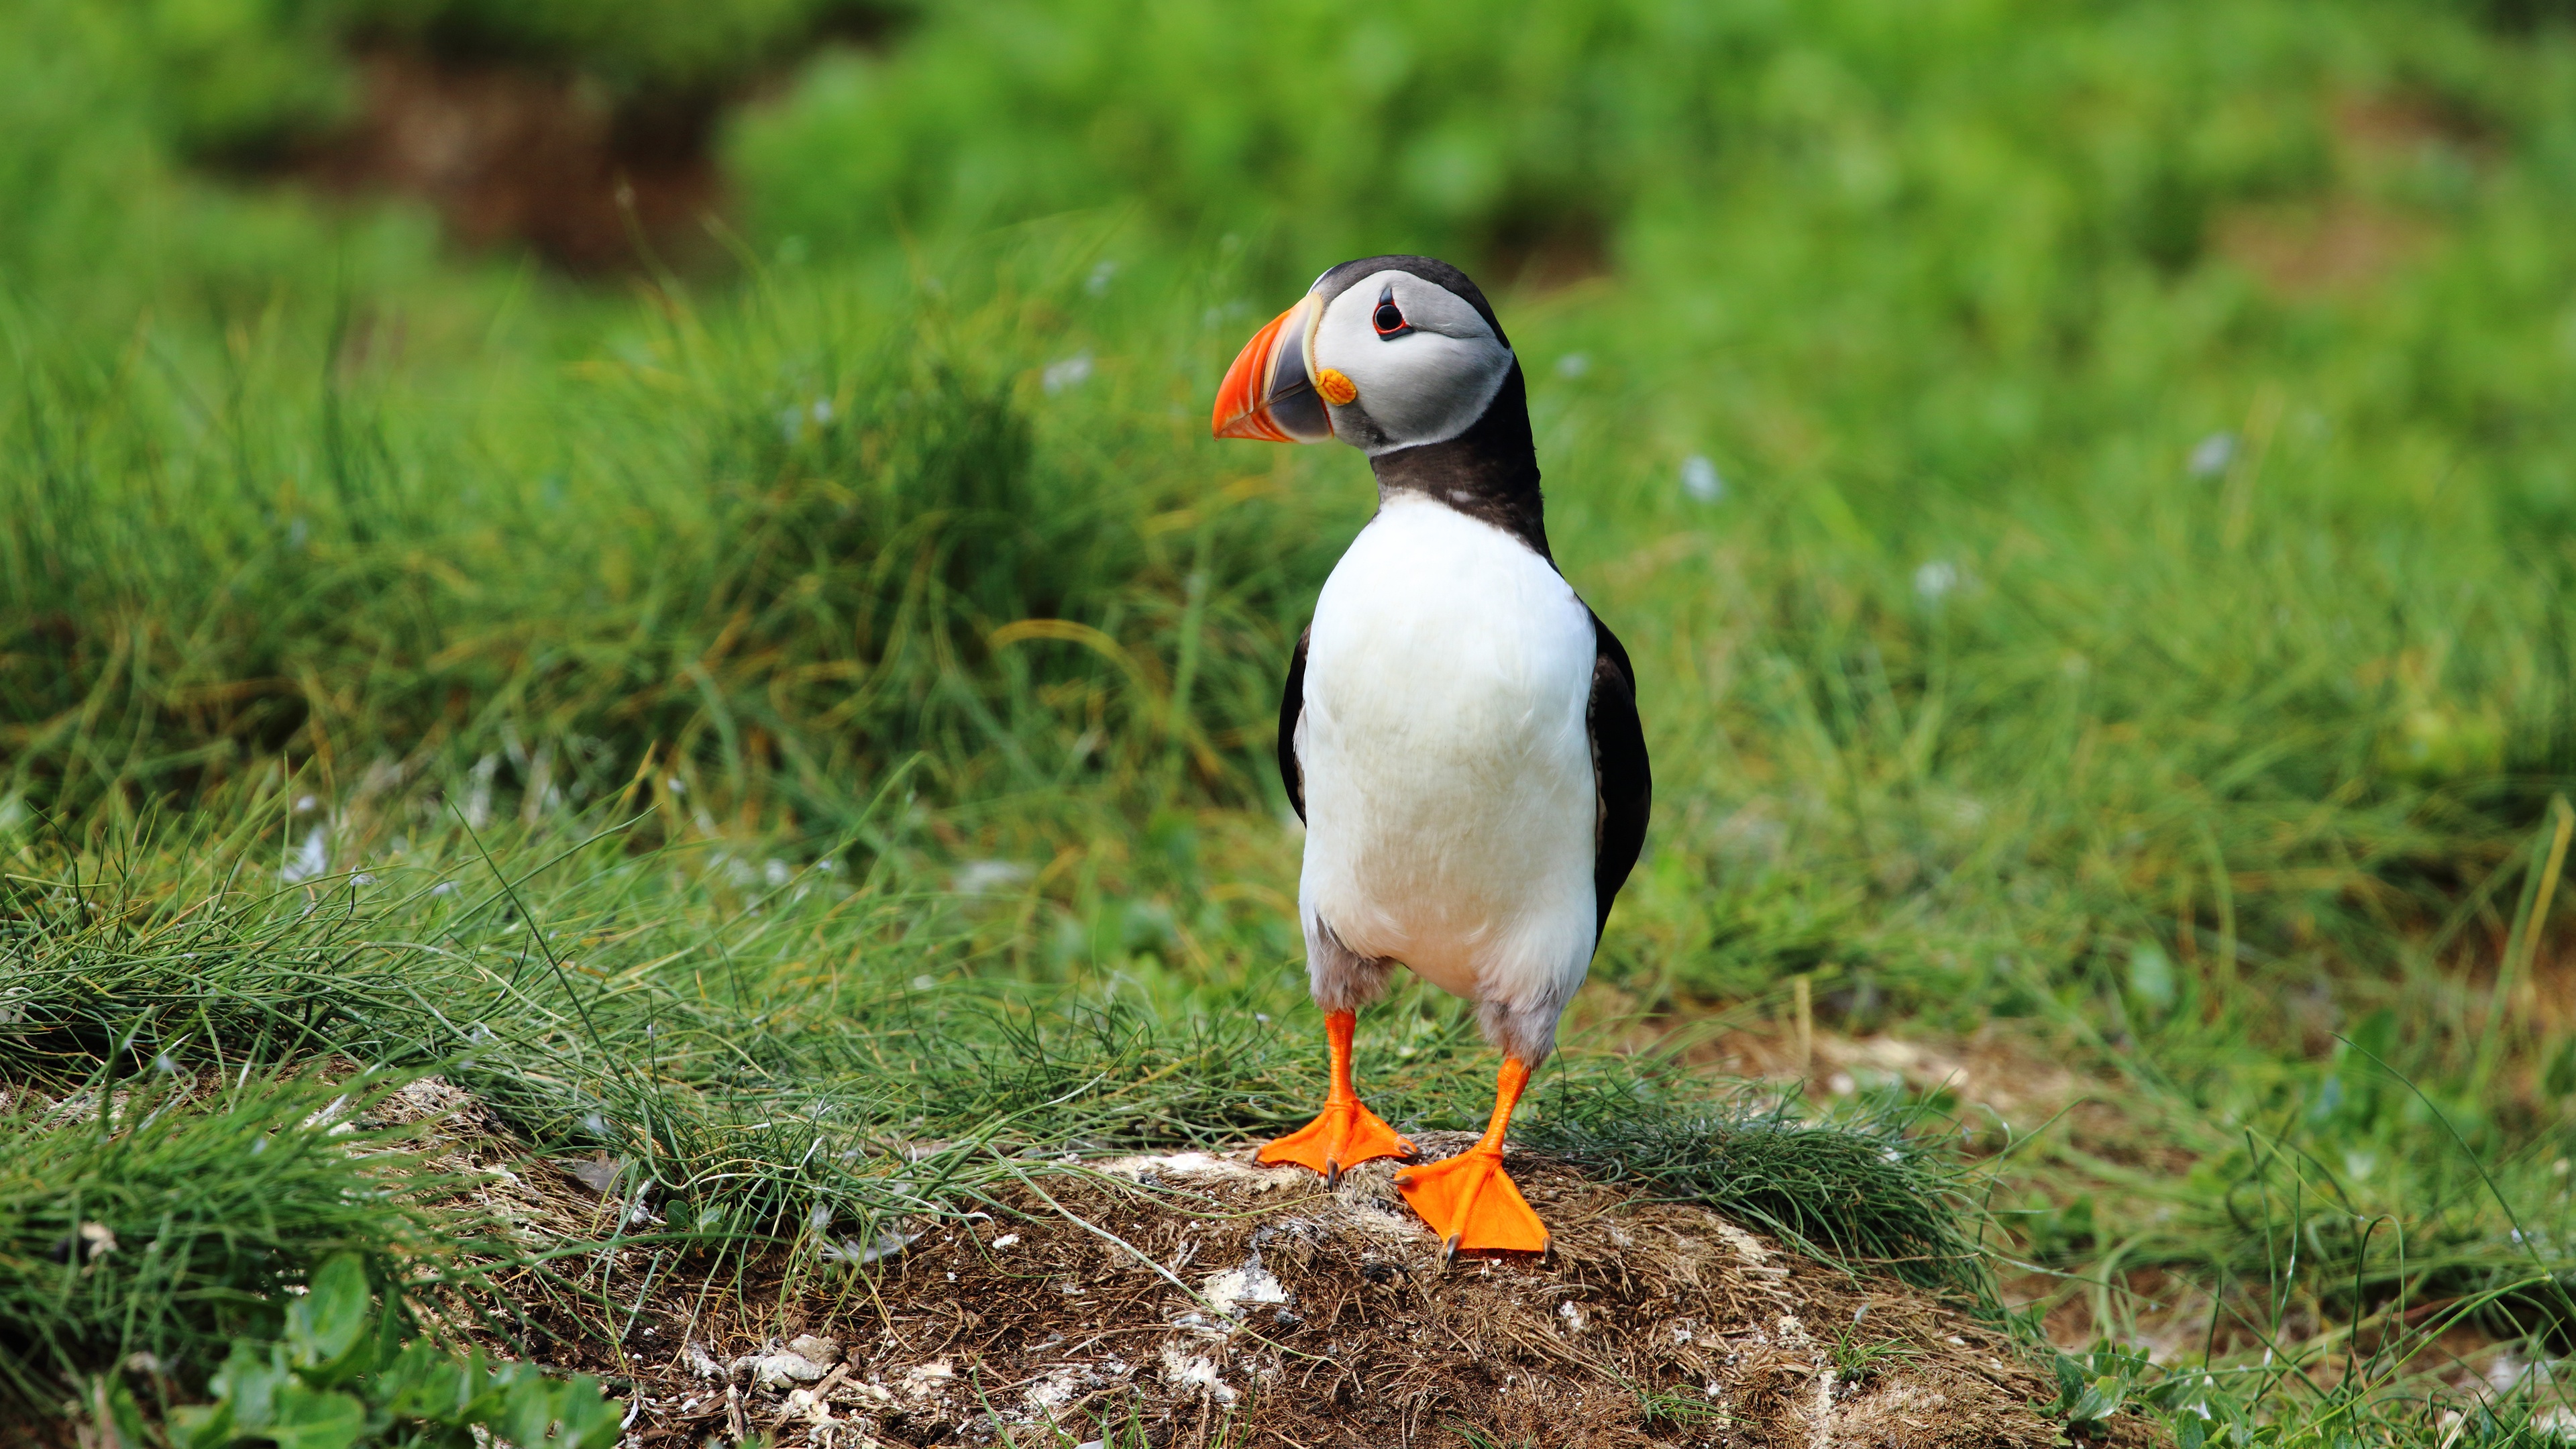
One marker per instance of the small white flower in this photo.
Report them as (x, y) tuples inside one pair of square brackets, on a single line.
[(676, 785), (1573, 364), (1072, 372), (923, 983), (1700, 480), (979, 877), (304, 803), (2211, 455), (1097, 284), (776, 873), (443, 888), (310, 859), (1935, 579)]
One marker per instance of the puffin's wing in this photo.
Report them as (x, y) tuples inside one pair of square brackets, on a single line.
[(1620, 777), (1292, 705)]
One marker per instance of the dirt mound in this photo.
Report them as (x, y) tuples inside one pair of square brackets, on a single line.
[(528, 153), (1196, 1300)]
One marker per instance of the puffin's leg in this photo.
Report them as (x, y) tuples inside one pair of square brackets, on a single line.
[(1468, 1199), (1345, 1134)]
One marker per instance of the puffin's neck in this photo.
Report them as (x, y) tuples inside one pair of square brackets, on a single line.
[(1488, 472)]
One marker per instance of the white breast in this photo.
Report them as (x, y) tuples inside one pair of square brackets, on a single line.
[(1448, 772)]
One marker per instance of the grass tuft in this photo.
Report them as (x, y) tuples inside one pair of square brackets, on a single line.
[(166, 1215), (1865, 1189)]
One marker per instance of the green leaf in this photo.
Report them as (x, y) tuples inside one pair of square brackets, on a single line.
[(590, 1420), (247, 1384), (422, 1382), (324, 1325), (2100, 1400), (386, 1342), (316, 1418), (531, 1408), (2070, 1381), (486, 1390), (200, 1426), (115, 1413)]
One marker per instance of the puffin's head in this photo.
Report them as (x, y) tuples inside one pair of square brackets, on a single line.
[(1382, 353)]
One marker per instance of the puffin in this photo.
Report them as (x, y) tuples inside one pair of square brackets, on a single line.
[(1459, 730)]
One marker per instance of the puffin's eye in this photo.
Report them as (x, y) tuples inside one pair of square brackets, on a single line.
[(1389, 318)]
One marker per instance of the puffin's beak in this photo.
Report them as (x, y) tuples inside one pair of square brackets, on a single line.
[(1269, 393)]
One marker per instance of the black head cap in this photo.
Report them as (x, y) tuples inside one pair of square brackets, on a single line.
[(1430, 269)]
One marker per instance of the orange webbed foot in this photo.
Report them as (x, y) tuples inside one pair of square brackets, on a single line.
[(1473, 1204), (1344, 1135)]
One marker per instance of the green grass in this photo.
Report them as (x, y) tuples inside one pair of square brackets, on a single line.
[(166, 1226), (2130, 631), (792, 1066)]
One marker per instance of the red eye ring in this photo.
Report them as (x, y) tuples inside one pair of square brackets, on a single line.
[(1388, 319)]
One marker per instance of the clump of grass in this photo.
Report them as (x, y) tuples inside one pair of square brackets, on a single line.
[(166, 1215), (1864, 1189), (764, 559), (1859, 1357), (760, 1104)]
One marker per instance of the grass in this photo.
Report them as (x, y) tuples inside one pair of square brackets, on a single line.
[(163, 1227), (2124, 647), (577, 987), (773, 1067), (1869, 1188)]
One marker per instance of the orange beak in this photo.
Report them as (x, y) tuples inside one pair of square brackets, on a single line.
[(1269, 393)]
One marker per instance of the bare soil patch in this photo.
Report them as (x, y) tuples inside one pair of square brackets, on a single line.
[(516, 152), (2310, 249), (1198, 1300)]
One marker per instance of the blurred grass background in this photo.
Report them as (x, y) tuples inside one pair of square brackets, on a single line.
[(2089, 491)]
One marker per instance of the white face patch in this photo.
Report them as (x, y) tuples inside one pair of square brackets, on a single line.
[(1424, 385)]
